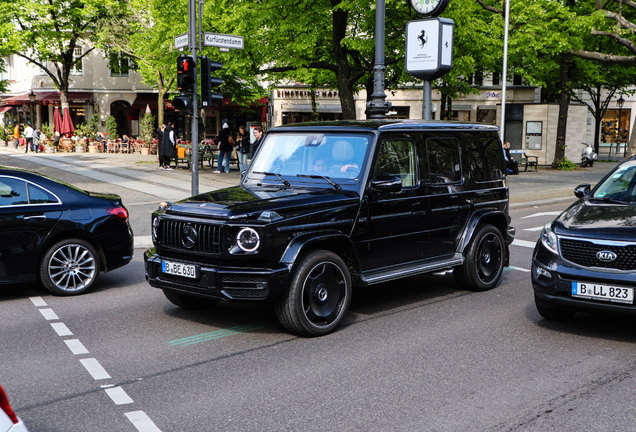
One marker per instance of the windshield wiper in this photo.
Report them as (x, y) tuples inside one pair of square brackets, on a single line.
[(280, 177), (613, 201), (335, 185)]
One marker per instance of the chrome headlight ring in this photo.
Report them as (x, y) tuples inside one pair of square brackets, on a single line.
[(248, 240)]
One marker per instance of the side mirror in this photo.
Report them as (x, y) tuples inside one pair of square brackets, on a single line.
[(387, 183), (581, 190)]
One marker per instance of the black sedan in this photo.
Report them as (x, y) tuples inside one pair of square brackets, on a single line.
[(59, 235), (585, 260)]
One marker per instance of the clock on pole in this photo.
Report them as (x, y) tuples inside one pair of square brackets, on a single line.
[(430, 8)]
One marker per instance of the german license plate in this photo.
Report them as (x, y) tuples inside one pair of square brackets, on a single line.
[(178, 269), (603, 292)]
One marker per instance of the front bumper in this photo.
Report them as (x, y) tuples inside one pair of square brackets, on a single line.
[(552, 278), (220, 282)]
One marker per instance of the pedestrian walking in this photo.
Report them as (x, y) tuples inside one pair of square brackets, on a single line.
[(168, 146), (242, 147), (159, 133), (258, 135), (28, 135), (56, 140), (16, 135), (36, 140), (226, 144)]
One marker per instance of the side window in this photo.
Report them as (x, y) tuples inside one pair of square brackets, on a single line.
[(13, 192), (483, 158), (397, 157), (40, 196), (443, 160)]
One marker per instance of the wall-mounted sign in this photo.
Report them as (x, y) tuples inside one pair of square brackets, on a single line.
[(223, 41), (429, 47)]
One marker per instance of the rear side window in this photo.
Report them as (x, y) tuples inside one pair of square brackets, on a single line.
[(40, 196), (13, 192), (444, 164), (483, 158)]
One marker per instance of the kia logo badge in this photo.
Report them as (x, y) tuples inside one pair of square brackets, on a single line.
[(189, 237), (606, 256)]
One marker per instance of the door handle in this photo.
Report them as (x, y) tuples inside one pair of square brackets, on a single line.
[(35, 218)]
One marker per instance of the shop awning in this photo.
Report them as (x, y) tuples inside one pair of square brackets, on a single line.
[(4, 109), (49, 98), (144, 99), (324, 108)]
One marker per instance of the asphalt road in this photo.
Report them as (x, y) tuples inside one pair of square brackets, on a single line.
[(417, 354)]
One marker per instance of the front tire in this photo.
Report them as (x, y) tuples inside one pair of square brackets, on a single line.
[(69, 267), (584, 163), (318, 297), (484, 260), (186, 301)]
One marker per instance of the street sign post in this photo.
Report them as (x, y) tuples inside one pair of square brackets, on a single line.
[(181, 41), (223, 41)]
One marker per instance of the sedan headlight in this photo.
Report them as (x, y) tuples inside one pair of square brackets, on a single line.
[(248, 240), (549, 239)]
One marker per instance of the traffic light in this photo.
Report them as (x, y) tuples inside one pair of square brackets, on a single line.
[(208, 82), (186, 77)]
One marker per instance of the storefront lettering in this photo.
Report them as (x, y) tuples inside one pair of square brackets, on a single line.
[(306, 93), (493, 95)]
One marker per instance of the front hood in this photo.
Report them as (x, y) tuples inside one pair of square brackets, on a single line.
[(241, 202), (598, 220)]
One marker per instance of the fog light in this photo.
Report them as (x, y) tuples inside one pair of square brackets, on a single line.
[(540, 271)]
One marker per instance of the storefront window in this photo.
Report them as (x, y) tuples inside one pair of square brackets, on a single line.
[(609, 126), (460, 115)]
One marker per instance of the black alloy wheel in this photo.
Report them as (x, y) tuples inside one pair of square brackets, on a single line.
[(484, 262)]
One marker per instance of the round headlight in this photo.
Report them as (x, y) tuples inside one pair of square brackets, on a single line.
[(248, 240), (155, 226)]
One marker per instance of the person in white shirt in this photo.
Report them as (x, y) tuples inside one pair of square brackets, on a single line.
[(28, 135)]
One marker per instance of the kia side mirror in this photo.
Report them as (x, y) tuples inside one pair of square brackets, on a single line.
[(581, 190)]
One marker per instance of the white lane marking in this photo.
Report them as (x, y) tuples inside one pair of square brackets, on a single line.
[(76, 346), (119, 396), (38, 301), (61, 329), (95, 369), (520, 269), (143, 242), (524, 243), (142, 422), (48, 314), (554, 213), (534, 229)]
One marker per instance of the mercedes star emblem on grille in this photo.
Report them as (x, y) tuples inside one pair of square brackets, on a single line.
[(189, 237), (606, 256)]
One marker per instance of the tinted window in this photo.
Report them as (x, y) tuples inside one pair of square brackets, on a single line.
[(13, 192), (397, 157), (482, 159), (443, 160), (40, 196), (621, 185)]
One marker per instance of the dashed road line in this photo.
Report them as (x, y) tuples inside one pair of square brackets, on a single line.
[(533, 229), (95, 369), (141, 421), (76, 346), (119, 396), (552, 213), (48, 314), (38, 301), (524, 243), (61, 329)]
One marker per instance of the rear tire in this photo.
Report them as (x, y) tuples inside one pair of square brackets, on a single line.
[(484, 260), (584, 163), (318, 297), (552, 313), (187, 301)]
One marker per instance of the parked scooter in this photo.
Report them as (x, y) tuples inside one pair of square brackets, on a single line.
[(588, 155)]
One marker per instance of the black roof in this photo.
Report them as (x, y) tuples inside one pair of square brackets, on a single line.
[(387, 125)]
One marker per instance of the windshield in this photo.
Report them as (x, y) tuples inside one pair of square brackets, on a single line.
[(620, 186), (337, 156)]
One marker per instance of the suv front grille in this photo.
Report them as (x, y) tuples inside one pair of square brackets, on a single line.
[(584, 253), (191, 237)]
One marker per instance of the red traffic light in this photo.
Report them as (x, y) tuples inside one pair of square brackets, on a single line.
[(186, 72)]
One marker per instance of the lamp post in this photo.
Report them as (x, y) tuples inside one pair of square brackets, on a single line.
[(32, 99), (620, 103)]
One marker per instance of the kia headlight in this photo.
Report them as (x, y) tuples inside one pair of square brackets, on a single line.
[(549, 238), (248, 240)]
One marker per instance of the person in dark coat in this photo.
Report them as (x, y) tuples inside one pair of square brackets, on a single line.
[(225, 149), (168, 146), (159, 132), (258, 135)]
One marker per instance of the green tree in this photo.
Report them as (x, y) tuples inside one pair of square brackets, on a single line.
[(49, 33)]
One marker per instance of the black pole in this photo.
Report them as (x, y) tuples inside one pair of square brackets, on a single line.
[(377, 107)]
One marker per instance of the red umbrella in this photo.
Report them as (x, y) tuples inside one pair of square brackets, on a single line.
[(57, 120), (67, 127)]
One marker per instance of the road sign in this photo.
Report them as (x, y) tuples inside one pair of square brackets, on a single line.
[(223, 41), (181, 41)]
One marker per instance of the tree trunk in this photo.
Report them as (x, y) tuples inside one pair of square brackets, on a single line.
[(564, 105), (343, 69), (597, 119)]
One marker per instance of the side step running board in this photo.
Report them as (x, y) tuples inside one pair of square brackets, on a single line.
[(397, 272)]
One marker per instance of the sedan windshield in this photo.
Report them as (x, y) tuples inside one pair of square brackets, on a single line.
[(620, 186), (337, 156)]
